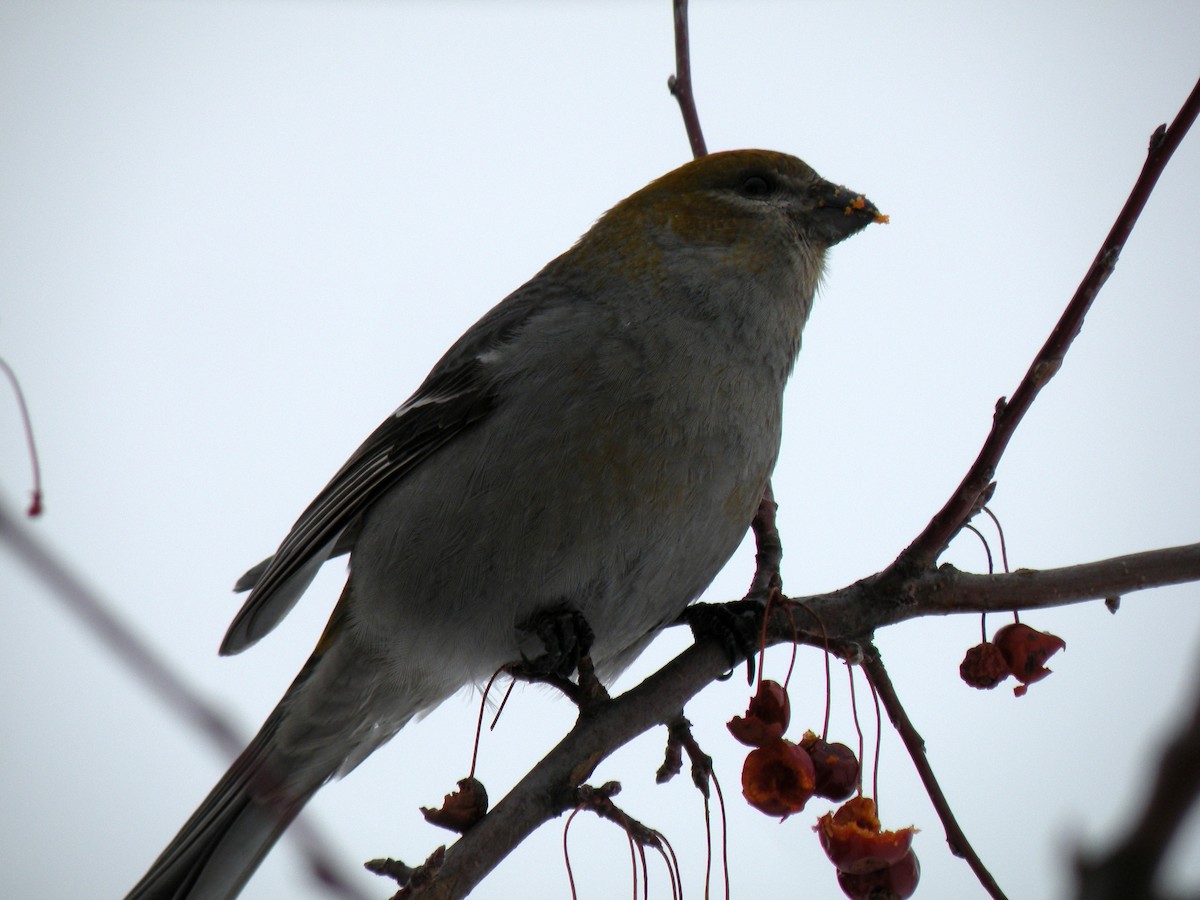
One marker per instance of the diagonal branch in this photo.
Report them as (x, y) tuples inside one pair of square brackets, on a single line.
[(913, 742), (549, 788), (930, 543)]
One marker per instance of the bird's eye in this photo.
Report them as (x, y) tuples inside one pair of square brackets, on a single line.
[(756, 186)]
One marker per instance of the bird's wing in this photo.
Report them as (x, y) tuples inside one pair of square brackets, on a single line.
[(459, 392)]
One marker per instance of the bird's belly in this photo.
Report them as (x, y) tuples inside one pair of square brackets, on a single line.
[(445, 573)]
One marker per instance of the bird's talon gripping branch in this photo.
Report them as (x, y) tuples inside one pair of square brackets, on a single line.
[(566, 639), (736, 625)]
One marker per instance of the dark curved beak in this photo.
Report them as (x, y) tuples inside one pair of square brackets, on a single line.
[(842, 212)]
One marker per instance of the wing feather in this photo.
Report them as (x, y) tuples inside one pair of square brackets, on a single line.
[(443, 408), (459, 392)]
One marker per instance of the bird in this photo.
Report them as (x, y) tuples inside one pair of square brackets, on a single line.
[(594, 447)]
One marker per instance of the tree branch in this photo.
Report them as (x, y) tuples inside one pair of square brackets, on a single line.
[(930, 543), (851, 613), (856, 611), (913, 742), (549, 788)]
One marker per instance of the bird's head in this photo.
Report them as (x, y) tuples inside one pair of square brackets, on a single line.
[(757, 212)]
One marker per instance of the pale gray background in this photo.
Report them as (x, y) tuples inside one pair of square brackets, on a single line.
[(235, 235)]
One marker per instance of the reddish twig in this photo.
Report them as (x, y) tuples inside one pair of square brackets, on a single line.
[(796, 641), (999, 531), (487, 689), (724, 834), (567, 853), (877, 674), (680, 84), (35, 499), (503, 703), (878, 747), (857, 723), (667, 852), (708, 847), (930, 543)]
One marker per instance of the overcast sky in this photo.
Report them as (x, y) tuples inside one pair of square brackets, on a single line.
[(235, 235)]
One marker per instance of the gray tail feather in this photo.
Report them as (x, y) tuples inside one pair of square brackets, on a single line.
[(220, 846)]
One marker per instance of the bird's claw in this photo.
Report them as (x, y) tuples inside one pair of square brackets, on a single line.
[(566, 638), (736, 625)]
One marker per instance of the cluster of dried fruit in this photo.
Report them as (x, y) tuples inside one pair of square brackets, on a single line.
[(1016, 650), (872, 864), (779, 777)]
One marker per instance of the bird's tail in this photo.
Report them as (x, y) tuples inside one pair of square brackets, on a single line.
[(336, 712), (219, 847)]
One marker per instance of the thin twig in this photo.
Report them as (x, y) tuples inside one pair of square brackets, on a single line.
[(930, 543), (35, 500), (986, 549), (959, 845), (999, 531), (487, 689), (680, 84)]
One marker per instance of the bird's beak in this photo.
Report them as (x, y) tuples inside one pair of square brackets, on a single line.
[(842, 212)]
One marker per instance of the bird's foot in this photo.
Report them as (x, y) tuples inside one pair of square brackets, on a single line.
[(567, 641), (736, 625), (566, 638)]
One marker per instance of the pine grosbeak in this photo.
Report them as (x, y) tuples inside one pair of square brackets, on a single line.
[(597, 443)]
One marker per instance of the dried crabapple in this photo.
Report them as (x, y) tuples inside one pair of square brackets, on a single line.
[(766, 718), (895, 882), (835, 766), (854, 842), (778, 779)]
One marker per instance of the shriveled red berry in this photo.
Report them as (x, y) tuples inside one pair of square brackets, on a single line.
[(766, 718), (835, 766), (984, 666), (778, 779), (854, 842), (1026, 650), (895, 882), (461, 809)]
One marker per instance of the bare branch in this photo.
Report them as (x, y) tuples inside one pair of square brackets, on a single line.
[(913, 742), (549, 788), (857, 610), (945, 524)]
